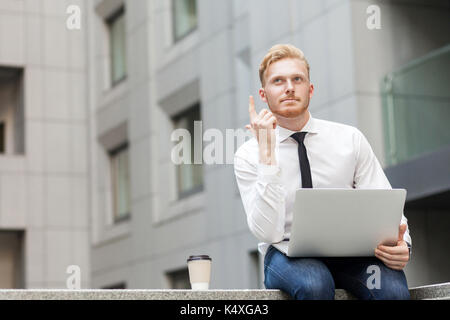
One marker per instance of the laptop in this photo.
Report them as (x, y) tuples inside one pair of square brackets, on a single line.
[(344, 222)]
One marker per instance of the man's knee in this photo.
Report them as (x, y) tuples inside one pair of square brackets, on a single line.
[(393, 287), (314, 282), (300, 278), (394, 291), (320, 288)]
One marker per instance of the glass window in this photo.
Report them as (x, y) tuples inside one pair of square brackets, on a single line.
[(2, 137), (120, 285), (179, 279), (184, 17), (117, 42), (12, 111), (189, 176), (256, 271), (11, 259), (416, 103), (120, 181)]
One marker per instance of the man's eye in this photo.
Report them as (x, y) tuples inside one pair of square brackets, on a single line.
[(298, 79), (277, 80)]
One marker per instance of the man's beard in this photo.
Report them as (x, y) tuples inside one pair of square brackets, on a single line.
[(284, 115)]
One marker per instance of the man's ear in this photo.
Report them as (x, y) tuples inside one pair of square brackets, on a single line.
[(311, 90), (262, 94)]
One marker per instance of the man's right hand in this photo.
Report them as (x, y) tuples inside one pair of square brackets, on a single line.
[(263, 126)]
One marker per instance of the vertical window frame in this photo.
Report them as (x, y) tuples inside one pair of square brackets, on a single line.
[(2, 137), (113, 153), (176, 38), (110, 22), (181, 194), (178, 279)]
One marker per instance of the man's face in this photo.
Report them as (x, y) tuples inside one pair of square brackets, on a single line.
[(287, 89)]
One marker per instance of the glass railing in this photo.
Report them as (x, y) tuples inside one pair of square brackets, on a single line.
[(416, 107)]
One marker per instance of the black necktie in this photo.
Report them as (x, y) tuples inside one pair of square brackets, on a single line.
[(305, 170)]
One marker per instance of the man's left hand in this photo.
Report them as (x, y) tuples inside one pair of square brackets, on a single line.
[(395, 257)]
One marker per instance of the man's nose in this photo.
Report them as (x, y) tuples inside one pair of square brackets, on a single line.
[(289, 86)]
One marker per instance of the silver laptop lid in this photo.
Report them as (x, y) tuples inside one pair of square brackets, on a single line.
[(344, 222)]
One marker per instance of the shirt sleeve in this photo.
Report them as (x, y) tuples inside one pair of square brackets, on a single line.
[(370, 175), (263, 197)]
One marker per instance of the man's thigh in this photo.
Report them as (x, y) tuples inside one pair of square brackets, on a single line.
[(368, 278), (301, 278)]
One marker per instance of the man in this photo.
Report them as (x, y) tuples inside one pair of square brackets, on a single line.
[(272, 166)]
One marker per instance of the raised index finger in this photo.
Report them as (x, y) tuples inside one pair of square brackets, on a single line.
[(251, 108)]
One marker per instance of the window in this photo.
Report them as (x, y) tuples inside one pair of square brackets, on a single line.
[(11, 259), (2, 137), (179, 279), (12, 111), (120, 182), (117, 42), (117, 286), (256, 275), (416, 107), (184, 17), (189, 176)]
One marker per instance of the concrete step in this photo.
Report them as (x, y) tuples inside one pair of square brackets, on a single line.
[(435, 291), (432, 292), (138, 294)]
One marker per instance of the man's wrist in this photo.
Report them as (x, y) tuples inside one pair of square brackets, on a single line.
[(269, 174), (267, 157), (268, 162)]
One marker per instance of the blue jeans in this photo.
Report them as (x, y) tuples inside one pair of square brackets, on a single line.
[(317, 278)]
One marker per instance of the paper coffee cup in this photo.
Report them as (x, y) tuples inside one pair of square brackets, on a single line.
[(199, 271)]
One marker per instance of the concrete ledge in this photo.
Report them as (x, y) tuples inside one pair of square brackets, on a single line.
[(440, 291), (437, 292), (131, 294)]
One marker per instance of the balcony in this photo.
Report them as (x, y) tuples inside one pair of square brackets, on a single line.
[(416, 111), (416, 107)]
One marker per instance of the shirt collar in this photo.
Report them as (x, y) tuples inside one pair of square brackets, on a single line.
[(310, 126)]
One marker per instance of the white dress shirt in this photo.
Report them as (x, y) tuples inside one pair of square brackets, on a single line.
[(339, 156)]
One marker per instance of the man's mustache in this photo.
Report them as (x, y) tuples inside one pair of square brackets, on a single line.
[(291, 98)]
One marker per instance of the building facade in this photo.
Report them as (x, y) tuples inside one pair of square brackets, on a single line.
[(44, 172), (87, 176)]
